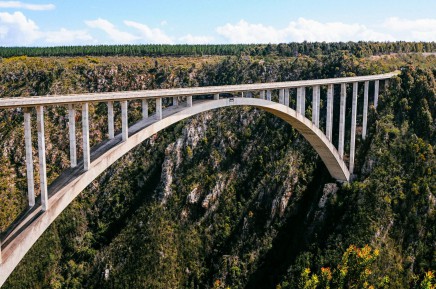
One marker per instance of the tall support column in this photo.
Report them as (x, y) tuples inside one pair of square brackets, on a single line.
[(342, 119), (29, 157), (365, 109), (287, 97), (315, 105), (353, 126), (216, 96), (72, 133), (159, 108), (189, 100), (110, 119), (144, 109), (386, 84), (41, 154), (124, 121), (268, 95), (301, 100), (262, 94), (85, 135), (282, 96), (175, 101), (329, 120), (298, 106), (376, 92)]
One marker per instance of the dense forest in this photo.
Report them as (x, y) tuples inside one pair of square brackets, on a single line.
[(359, 49), (232, 198)]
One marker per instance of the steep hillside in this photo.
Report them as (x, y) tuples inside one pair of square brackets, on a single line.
[(233, 198)]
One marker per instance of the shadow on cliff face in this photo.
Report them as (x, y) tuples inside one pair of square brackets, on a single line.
[(294, 237)]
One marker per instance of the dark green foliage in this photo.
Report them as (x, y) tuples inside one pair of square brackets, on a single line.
[(360, 49)]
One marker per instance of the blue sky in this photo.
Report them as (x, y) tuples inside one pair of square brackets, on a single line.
[(72, 22)]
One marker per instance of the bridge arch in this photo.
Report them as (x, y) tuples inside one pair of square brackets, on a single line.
[(23, 238)]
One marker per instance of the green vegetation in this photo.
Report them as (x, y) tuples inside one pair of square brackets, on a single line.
[(231, 198), (284, 49)]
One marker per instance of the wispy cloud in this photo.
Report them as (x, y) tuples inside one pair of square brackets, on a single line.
[(27, 6), (191, 39), (412, 30), (18, 30), (65, 36), (150, 35), (300, 30), (113, 32)]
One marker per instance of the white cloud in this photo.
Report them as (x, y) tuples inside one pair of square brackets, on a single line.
[(21, 5), (300, 30), (151, 35), (65, 36), (18, 30), (244, 32), (190, 39), (412, 30), (114, 33)]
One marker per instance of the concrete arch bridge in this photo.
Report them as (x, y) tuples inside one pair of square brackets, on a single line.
[(272, 97)]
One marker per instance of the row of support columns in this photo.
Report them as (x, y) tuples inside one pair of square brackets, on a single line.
[(316, 94), (284, 98)]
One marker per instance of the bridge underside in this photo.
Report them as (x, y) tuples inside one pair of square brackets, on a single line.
[(26, 231)]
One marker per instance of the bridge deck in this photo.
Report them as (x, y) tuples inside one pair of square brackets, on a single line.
[(159, 93)]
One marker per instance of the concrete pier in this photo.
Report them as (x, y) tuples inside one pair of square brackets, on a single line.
[(298, 104), (329, 116), (353, 127), (72, 134), (301, 100), (175, 101), (216, 96), (188, 101), (262, 94), (159, 108), (144, 104), (124, 121), (343, 103), (287, 97), (41, 154), (282, 96), (376, 92), (29, 157), (365, 109), (268, 95), (315, 104), (110, 119), (85, 135)]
